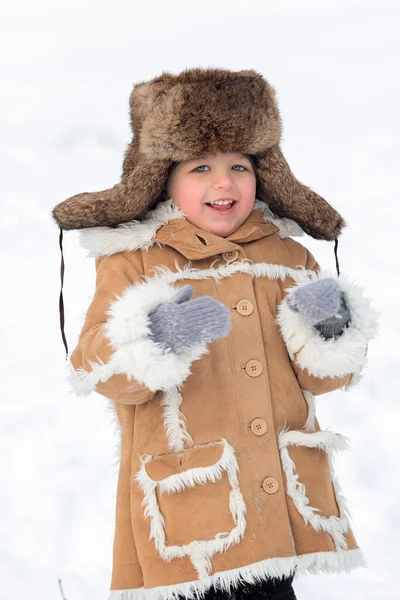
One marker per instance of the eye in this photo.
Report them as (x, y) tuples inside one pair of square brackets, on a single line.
[(200, 169)]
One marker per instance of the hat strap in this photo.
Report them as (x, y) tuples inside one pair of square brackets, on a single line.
[(336, 256), (61, 302)]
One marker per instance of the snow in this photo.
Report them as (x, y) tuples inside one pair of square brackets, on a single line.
[(67, 69)]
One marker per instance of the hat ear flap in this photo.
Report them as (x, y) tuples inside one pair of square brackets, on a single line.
[(289, 198), (124, 202)]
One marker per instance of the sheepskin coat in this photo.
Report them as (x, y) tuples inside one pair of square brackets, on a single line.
[(224, 472)]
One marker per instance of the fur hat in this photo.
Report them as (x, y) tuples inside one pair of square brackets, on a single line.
[(180, 117)]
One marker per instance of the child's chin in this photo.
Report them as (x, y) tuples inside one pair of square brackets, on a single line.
[(222, 229)]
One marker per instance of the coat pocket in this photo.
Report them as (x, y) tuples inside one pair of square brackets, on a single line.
[(307, 461), (194, 503)]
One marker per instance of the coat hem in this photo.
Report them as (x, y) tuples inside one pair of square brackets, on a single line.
[(317, 562)]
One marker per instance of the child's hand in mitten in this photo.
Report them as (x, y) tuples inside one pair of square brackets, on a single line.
[(323, 305), (181, 322)]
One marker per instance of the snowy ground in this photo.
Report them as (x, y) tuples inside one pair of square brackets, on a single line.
[(66, 70)]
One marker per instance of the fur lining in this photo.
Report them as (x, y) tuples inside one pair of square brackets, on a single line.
[(287, 227), (174, 421), (263, 269), (127, 237), (332, 357), (136, 355), (84, 382), (326, 562), (311, 405), (174, 424), (323, 440)]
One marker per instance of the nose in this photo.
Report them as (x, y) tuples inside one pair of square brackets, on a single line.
[(223, 181)]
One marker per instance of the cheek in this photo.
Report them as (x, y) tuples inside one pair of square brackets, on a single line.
[(248, 190), (187, 191), (252, 185), (188, 196)]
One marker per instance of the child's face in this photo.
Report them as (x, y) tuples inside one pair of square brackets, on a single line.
[(195, 183)]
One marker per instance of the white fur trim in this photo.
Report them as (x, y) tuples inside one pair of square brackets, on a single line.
[(311, 405), (270, 270), (199, 551), (174, 421), (126, 237), (136, 354), (84, 382), (340, 498), (356, 377), (324, 440), (333, 357), (317, 562), (287, 227), (128, 314), (328, 441)]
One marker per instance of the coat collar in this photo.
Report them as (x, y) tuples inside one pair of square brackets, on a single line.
[(167, 224), (195, 243)]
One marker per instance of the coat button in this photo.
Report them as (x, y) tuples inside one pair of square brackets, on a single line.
[(254, 368), (270, 485), (244, 307), (230, 255), (258, 426)]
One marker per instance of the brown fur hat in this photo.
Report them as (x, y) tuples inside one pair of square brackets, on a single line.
[(180, 117)]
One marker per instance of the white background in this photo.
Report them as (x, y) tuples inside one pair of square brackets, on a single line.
[(66, 70)]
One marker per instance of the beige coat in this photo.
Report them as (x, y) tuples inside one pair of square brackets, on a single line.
[(224, 471)]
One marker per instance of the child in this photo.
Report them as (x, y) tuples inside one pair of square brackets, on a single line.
[(211, 330)]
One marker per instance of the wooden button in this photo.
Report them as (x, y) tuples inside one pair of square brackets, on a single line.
[(259, 427), (270, 485), (254, 368), (244, 307), (230, 255)]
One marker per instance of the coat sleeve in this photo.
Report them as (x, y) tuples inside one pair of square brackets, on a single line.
[(324, 365), (115, 355)]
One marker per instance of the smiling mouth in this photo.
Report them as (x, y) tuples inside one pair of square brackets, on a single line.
[(222, 207)]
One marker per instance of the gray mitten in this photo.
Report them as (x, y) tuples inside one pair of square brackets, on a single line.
[(323, 305), (333, 326), (181, 322)]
